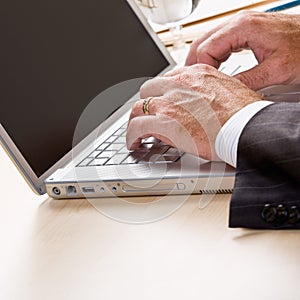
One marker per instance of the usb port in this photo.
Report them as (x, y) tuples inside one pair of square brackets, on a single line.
[(88, 190)]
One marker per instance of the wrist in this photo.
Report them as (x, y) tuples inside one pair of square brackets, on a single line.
[(228, 137)]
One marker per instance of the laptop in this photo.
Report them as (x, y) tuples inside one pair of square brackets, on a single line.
[(70, 73)]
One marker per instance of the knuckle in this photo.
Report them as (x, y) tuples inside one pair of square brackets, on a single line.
[(200, 50), (135, 109), (206, 68), (170, 109), (182, 77), (195, 45), (204, 47), (203, 69), (144, 88), (246, 19), (244, 16), (154, 106), (149, 86)]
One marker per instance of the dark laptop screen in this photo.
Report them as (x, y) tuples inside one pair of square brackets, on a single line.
[(55, 57)]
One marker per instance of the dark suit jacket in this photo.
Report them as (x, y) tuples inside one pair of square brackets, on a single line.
[(267, 187)]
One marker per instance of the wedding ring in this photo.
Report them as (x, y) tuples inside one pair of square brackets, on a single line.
[(146, 105)]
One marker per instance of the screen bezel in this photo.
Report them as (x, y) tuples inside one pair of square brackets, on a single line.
[(37, 183)]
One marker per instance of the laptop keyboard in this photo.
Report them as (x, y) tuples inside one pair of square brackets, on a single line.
[(113, 151)]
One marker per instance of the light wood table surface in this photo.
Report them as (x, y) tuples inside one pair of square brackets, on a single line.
[(65, 249), (53, 249)]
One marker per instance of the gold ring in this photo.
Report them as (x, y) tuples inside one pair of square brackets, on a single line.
[(146, 105)]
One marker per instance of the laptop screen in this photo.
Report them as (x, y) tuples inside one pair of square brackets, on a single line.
[(55, 57)]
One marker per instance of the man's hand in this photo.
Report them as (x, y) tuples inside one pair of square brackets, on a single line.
[(188, 108), (274, 39)]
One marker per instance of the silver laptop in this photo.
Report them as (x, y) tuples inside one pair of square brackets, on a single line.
[(70, 73)]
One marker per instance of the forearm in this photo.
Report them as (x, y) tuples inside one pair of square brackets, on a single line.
[(267, 186), (228, 137)]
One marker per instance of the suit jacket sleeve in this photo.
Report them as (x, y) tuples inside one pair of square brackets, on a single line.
[(267, 186)]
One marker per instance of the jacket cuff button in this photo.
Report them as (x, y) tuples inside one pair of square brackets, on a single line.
[(269, 213), (282, 214), (294, 215)]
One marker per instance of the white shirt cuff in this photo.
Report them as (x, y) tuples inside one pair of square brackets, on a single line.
[(228, 137)]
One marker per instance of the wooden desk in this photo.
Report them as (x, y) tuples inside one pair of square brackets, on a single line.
[(65, 250), (62, 250)]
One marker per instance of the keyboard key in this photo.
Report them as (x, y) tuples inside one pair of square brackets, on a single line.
[(120, 131), (111, 139), (117, 159), (124, 126), (124, 150), (106, 154), (130, 160), (102, 146), (121, 140), (85, 162), (142, 148), (157, 150), (94, 154), (138, 155), (114, 147), (98, 162), (172, 152), (167, 159)]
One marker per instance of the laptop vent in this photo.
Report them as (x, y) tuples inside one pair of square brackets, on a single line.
[(221, 191)]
